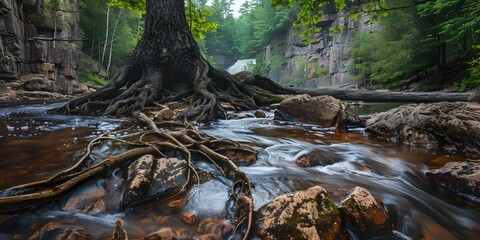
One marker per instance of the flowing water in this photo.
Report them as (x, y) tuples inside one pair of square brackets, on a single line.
[(35, 144)]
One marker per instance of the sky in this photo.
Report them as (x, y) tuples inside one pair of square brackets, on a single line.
[(236, 7)]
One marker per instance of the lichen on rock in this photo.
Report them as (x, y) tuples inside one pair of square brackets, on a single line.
[(308, 214)]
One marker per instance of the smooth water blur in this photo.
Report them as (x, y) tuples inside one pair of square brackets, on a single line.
[(35, 145)]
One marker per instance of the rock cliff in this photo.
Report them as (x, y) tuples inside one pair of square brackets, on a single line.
[(40, 37), (324, 62)]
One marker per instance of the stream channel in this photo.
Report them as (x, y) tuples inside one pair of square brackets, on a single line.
[(35, 144)]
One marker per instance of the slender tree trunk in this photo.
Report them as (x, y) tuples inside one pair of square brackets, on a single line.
[(138, 27), (106, 35), (113, 40)]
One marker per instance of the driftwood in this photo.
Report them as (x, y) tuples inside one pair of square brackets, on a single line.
[(363, 95)]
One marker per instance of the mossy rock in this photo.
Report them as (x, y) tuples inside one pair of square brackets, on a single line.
[(308, 214)]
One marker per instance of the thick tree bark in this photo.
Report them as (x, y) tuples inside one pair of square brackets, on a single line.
[(166, 65)]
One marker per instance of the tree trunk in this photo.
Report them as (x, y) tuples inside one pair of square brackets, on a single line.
[(106, 35), (113, 40), (166, 65)]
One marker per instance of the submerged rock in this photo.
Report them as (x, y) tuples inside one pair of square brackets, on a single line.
[(443, 124), (325, 111), (315, 158), (164, 233), (364, 214), (460, 177), (149, 177), (308, 214), (260, 114), (88, 200), (57, 231)]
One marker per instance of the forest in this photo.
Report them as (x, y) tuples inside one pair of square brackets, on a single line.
[(427, 39), (348, 119)]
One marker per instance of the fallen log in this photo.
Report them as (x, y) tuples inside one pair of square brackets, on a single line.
[(385, 96)]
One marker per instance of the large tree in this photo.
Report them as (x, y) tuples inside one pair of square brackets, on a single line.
[(166, 65)]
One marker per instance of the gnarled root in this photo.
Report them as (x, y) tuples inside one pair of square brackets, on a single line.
[(158, 141)]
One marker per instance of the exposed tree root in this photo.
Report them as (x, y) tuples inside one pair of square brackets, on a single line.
[(160, 141), (137, 86)]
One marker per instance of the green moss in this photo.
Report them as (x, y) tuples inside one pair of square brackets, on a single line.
[(92, 78), (263, 97), (328, 215)]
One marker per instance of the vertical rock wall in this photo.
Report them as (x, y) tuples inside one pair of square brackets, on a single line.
[(324, 62), (41, 43)]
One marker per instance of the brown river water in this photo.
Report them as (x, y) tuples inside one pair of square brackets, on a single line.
[(35, 144)]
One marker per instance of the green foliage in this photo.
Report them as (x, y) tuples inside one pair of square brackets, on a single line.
[(400, 49), (196, 15), (197, 20), (319, 72), (92, 78), (137, 6), (300, 74), (311, 12), (92, 21), (261, 67), (259, 25), (473, 78), (277, 61)]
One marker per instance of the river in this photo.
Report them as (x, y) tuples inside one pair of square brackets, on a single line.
[(35, 144)]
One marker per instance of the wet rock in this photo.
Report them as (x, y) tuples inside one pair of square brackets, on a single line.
[(308, 214), (119, 233), (88, 200), (149, 178), (56, 231), (260, 114), (364, 214), (450, 125), (460, 177), (214, 228), (315, 158), (188, 218), (177, 204), (239, 157), (325, 111), (236, 116), (164, 233)]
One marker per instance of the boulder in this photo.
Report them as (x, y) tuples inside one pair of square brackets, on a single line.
[(325, 111), (364, 214), (453, 125), (149, 178), (308, 214), (462, 178), (59, 231)]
